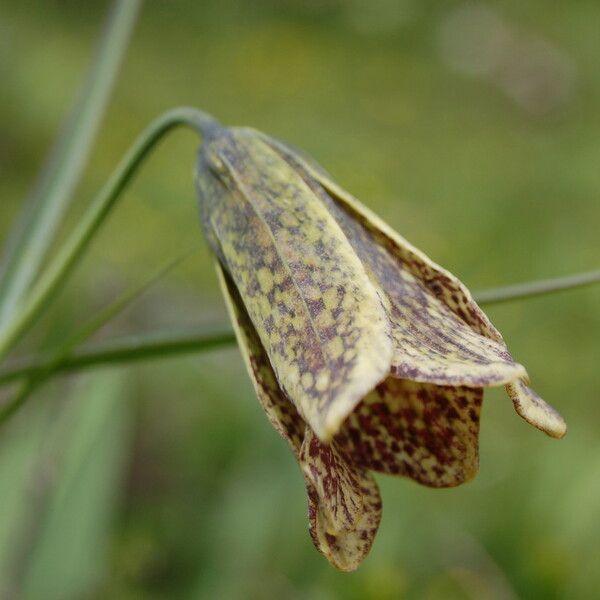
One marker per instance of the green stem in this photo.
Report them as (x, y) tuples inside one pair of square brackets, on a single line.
[(70, 253), (122, 350), (536, 288), (34, 233), (63, 352), (158, 345)]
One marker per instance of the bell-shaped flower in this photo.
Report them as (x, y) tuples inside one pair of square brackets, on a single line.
[(365, 354)]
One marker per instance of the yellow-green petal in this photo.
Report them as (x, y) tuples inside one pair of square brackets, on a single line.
[(432, 343), (319, 317), (536, 411), (344, 506), (434, 288), (279, 410)]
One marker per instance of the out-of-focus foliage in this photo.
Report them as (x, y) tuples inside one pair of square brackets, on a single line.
[(474, 132), (60, 471)]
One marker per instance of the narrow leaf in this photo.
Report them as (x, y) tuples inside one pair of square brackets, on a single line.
[(123, 350), (63, 351), (32, 237)]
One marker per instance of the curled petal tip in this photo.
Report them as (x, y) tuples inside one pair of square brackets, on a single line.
[(535, 410)]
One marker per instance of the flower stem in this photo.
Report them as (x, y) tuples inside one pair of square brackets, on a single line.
[(522, 291), (73, 249), (38, 377), (159, 345), (123, 350)]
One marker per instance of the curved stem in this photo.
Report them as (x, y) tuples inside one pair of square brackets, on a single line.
[(536, 288), (70, 253)]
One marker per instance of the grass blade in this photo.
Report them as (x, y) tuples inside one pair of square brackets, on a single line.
[(33, 235), (125, 350), (37, 377), (521, 291)]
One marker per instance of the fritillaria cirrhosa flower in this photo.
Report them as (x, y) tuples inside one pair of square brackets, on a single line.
[(365, 355)]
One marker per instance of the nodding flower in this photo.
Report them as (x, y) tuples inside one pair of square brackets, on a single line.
[(365, 354)]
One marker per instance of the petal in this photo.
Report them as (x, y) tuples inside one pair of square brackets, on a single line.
[(314, 308), (334, 481), (535, 411), (418, 317), (280, 411), (343, 500), (440, 281), (344, 503), (423, 431), (432, 343)]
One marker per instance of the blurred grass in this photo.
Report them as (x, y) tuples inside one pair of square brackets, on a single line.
[(32, 234), (62, 468), (212, 505)]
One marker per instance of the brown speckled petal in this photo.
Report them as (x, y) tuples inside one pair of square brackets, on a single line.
[(440, 333), (318, 315), (441, 282), (432, 342), (423, 431), (344, 506), (344, 503)]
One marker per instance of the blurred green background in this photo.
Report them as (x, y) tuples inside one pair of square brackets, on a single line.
[(473, 129)]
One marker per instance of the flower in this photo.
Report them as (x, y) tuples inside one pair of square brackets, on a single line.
[(365, 355)]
